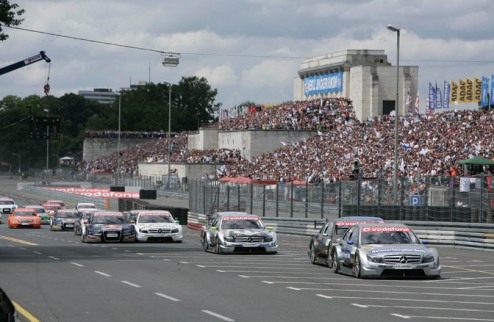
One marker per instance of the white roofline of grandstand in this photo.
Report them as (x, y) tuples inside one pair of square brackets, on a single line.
[(345, 53)]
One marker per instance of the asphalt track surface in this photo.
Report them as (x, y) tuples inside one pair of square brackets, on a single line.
[(52, 276)]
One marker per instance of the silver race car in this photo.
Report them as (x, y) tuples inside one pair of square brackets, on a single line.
[(320, 245), (238, 232), (384, 250)]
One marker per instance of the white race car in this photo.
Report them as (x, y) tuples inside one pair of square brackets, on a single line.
[(157, 225)]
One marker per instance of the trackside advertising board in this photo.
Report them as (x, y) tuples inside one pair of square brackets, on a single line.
[(97, 192)]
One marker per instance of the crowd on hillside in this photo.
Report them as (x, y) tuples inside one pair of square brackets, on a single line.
[(429, 144)]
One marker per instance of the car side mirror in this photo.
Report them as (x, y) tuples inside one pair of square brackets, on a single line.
[(214, 228), (349, 242), (425, 242), (132, 221), (270, 228)]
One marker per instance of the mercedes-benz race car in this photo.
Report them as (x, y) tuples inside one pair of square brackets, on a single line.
[(64, 219), (7, 206), (108, 226), (384, 250), (321, 244), (157, 225), (236, 232)]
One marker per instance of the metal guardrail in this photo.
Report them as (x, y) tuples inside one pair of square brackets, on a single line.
[(462, 235)]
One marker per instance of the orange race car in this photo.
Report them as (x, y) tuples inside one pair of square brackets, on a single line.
[(24, 217)]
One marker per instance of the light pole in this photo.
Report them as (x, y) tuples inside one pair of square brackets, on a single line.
[(47, 140), (395, 180), (171, 60), (118, 141)]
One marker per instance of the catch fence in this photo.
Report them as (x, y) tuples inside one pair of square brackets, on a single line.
[(453, 199)]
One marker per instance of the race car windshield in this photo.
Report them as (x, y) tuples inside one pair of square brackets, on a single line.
[(108, 220), (6, 202), (24, 213), (68, 215), (241, 224), (395, 237), (155, 219)]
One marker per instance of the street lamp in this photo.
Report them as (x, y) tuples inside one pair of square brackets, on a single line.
[(171, 60), (395, 181), (118, 141), (47, 140)]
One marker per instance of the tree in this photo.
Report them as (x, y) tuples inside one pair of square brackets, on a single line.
[(195, 104), (9, 16)]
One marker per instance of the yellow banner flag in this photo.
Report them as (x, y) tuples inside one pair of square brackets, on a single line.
[(454, 92), (462, 89), (477, 89), (469, 91)]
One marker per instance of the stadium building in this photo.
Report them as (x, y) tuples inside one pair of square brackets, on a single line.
[(364, 76)]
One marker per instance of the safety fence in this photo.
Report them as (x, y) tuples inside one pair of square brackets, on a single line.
[(461, 235), (454, 199)]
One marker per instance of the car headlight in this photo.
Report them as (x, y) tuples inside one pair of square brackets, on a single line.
[(375, 259), (175, 230), (15, 221), (229, 238), (268, 238), (143, 230), (428, 258)]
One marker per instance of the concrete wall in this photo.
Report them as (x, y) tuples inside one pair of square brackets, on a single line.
[(191, 171), (203, 140), (96, 148), (252, 143)]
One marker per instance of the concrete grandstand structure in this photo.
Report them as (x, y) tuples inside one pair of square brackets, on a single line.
[(364, 76)]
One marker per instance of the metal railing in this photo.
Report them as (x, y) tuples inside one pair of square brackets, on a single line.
[(453, 199)]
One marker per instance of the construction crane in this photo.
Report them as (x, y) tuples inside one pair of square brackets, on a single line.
[(25, 62)]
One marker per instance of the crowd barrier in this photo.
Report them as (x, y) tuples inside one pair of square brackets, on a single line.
[(461, 235)]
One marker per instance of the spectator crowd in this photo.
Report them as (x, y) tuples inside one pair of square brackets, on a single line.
[(428, 144)]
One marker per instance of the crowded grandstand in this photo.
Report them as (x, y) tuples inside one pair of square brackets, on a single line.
[(429, 144)]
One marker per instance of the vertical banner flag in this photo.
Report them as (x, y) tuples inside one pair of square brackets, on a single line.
[(431, 99), (439, 98), (469, 91), (492, 90), (454, 92), (485, 91), (447, 90), (417, 103), (462, 88), (477, 89)]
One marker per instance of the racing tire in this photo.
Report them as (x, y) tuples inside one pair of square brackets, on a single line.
[(328, 258), (83, 238), (357, 266), (312, 254), (217, 248), (335, 265), (205, 244)]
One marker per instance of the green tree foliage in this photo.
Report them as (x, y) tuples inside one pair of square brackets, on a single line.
[(144, 108), (10, 15)]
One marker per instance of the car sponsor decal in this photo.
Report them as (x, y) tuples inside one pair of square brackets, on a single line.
[(384, 229), (397, 250), (105, 214), (352, 223), (160, 214), (242, 218)]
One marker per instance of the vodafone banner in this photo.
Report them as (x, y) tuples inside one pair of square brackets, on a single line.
[(97, 192)]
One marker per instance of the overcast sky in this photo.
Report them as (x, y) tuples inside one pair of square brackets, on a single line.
[(249, 50)]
